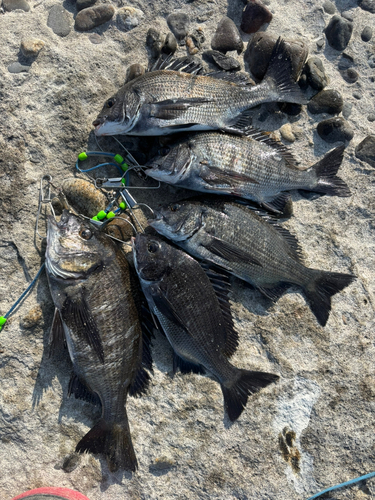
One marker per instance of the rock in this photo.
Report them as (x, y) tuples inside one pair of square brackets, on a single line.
[(335, 129), (320, 43), (357, 95), (10, 5), (224, 62), (195, 40), (371, 117), (254, 15), (287, 132), (83, 196), (59, 20), (329, 7), (371, 61), (129, 17), (227, 37), (154, 41), (178, 23), (84, 4), (134, 71), (347, 15), (90, 18), (338, 32), (290, 108), (326, 101), (259, 50), (170, 44), (349, 75), (32, 318), (315, 73), (368, 5), (17, 67), (95, 38), (365, 150), (31, 48), (366, 34), (347, 110)]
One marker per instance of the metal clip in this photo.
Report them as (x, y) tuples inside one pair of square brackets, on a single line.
[(44, 198)]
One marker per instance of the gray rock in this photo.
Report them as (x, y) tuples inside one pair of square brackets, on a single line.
[(338, 32), (259, 50), (315, 73), (347, 110), (17, 67), (254, 15), (365, 150), (366, 34), (134, 71), (371, 117), (84, 4), (326, 101), (368, 5), (95, 38), (335, 129), (357, 95), (349, 75), (59, 20), (224, 62), (154, 41), (347, 15), (227, 37), (329, 7), (170, 44), (90, 18), (178, 23), (371, 61), (129, 18), (10, 5)]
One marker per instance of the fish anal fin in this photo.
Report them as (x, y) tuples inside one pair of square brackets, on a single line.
[(185, 366), (171, 109), (81, 391), (278, 204), (275, 292), (56, 339)]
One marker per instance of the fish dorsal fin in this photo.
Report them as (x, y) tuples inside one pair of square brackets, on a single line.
[(238, 78), (56, 339), (221, 284), (81, 391), (182, 64)]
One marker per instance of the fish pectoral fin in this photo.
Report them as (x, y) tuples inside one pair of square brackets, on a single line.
[(214, 175), (230, 252), (171, 109), (76, 311), (165, 306), (56, 339), (185, 366), (81, 391)]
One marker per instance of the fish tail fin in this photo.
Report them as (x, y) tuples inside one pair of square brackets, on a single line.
[(326, 169), (112, 440), (279, 76), (237, 391), (321, 288)]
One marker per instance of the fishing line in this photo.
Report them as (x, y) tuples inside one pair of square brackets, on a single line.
[(342, 485)]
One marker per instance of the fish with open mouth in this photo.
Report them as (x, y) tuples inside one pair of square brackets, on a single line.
[(96, 316), (195, 319), (250, 245), (166, 101)]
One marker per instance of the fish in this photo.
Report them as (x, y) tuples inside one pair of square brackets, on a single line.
[(195, 318), (166, 101), (251, 245), (98, 319), (251, 166)]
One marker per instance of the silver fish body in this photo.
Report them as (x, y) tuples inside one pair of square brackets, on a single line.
[(250, 246), (198, 328)]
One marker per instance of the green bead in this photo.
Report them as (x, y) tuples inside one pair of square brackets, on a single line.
[(124, 167), (110, 215), (118, 159), (122, 205), (82, 156), (123, 181), (101, 215), (95, 218), (2, 321)]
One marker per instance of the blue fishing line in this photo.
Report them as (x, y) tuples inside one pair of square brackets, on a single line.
[(100, 165), (347, 483)]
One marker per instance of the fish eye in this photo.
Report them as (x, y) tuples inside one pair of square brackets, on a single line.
[(163, 151), (152, 247), (85, 233), (174, 207), (110, 103)]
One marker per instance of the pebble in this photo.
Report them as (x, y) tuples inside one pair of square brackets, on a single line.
[(338, 32), (32, 318), (357, 95), (365, 150), (95, 38), (134, 71), (315, 73), (368, 5), (154, 40), (31, 48), (195, 40), (227, 37), (59, 20), (259, 50), (326, 101), (366, 34), (371, 117), (349, 75), (83, 196), (17, 67), (90, 18), (84, 4), (329, 7), (371, 61), (347, 110), (335, 129), (347, 15), (178, 23), (129, 17), (170, 44), (224, 62), (10, 5), (254, 15), (287, 132)]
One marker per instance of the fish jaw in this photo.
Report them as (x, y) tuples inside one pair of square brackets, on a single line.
[(107, 127)]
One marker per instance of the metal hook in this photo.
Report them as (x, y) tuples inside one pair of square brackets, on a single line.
[(147, 206), (44, 198)]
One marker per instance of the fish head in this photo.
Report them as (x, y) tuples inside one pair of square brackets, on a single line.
[(119, 113), (151, 257), (75, 248), (172, 163), (178, 221)]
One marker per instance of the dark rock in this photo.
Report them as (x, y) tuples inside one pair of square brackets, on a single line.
[(368, 5), (329, 7), (259, 50), (338, 32), (170, 44), (17, 67), (315, 73), (371, 61), (335, 129), (347, 110), (90, 18), (326, 101), (227, 37), (346, 60), (303, 82), (178, 23), (290, 108), (134, 71), (84, 4), (154, 41), (371, 117), (254, 15), (10, 5), (366, 34), (365, 150), (224, 62), (349, 75), (347, 15), (59, 20)]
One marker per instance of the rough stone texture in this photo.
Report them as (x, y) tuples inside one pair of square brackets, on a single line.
[(315, 73), (31, 48), (227, 37), (254, 15), (90, 18), (326, 101), (129, 17), (178, 23), (286, 132), (323, 408), (368, 5), (365, 150), (224, 62), (134, 71), (59, 20), (154, 40), (338, 32), (335, 129)]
